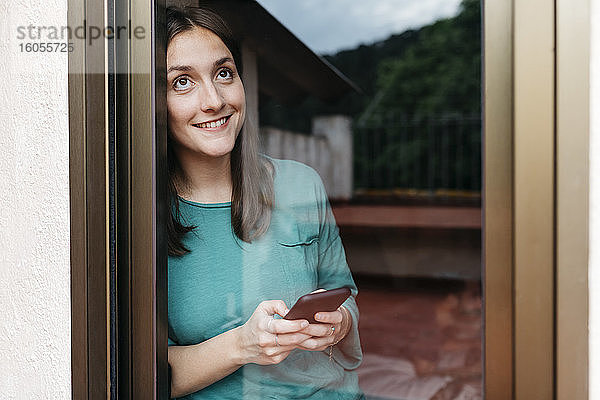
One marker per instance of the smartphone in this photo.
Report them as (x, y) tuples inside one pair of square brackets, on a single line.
[(308, 305)]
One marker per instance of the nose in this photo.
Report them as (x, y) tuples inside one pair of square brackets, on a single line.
[(211, 100)]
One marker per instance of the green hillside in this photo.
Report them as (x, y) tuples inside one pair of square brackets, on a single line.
[(431, 70)]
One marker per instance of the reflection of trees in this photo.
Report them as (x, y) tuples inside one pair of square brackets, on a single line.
[(415, 81), (422, 129), (438, 73)]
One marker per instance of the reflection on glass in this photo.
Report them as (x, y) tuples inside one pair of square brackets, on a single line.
[(390, 120), (411, 225), (249, 235)]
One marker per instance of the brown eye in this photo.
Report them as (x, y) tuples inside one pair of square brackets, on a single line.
[(182, 83), (225, 73)]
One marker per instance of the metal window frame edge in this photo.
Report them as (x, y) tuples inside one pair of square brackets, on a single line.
[(536, 211), (141, 182), (88, 178), (573, 27)]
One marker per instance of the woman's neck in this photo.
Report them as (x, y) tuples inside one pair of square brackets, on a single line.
[(206, 180)]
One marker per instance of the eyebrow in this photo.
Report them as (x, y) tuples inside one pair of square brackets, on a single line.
[(179, 68), (187, 68), (222, 61)]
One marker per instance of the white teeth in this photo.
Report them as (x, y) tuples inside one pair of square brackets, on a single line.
[(214, 124)]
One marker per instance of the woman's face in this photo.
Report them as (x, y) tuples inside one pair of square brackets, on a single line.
[(205, 96)]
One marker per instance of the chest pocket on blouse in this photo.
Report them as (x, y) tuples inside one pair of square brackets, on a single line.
[(306, 254)]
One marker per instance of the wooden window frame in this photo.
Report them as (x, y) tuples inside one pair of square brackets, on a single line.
[(536, 123), (122, 113)]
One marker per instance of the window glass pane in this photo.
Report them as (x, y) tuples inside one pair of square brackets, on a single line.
[(412, 223), (382, 101)]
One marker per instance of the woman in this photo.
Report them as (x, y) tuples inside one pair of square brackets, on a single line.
[(248, 236)]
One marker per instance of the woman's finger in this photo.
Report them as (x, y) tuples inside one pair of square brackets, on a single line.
[(275, 350), (319, 330), (291, 339), (316, 343), (284, 326), (276, 358), (333, 317), (272, 307)]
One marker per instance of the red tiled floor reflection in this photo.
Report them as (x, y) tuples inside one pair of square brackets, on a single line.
[(421, 341)]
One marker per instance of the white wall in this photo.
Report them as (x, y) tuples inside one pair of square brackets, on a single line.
[(35, 359), (594, 266), (326, 150), (34, 218)]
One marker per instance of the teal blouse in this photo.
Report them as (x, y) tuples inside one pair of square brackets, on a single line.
[(217, 286)]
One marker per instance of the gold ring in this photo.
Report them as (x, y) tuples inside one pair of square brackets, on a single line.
[(332, 330)]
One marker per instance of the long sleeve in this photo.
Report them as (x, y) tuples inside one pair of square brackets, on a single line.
[(333, 272)]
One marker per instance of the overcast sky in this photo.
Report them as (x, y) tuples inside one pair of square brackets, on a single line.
[(327, 26)]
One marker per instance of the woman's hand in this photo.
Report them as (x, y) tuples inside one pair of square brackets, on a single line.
[(333, 328), (264, 340)]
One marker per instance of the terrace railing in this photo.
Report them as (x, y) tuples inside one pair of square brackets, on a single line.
[(432, 154)]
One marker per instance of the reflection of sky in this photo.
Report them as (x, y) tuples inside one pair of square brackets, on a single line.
[(330, 25)]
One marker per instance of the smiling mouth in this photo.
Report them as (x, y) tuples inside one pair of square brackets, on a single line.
[(213, 124)]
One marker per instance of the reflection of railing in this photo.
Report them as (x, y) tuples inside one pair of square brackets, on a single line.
[(395, 151)]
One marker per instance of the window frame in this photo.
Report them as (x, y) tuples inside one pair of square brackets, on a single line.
[(535, 275), (130, 105), (572, 198), (536, 211)]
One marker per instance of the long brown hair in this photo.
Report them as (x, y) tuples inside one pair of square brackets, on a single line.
[(251, 173)]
